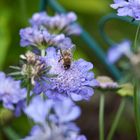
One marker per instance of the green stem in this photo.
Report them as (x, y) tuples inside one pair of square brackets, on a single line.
[(43, 52), (136, 110), (10, 133), (116, 120), (28, 91), (136, 36), (101, 117)]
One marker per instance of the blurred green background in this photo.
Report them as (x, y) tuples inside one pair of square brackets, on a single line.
[(14, 15)]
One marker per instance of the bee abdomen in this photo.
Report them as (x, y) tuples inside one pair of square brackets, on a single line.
[(66, 66)]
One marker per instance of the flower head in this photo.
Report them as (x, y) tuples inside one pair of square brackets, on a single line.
[(74, 78), (54, 118), (34, 67), (118, 50), (63, 132), (39, 38), (38, 109), (106, 83), (127, 8), (60, 23), (10, 91), (55, 110), (65, 111), (39, 19)]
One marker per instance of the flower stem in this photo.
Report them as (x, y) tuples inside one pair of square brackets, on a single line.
[(43, 53), (136, 109), (136, 36), (116, 120), (28, 92), (101, 117), (10, 133)]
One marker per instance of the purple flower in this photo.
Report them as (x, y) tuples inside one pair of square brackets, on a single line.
[(118, 50), (19, 107), (127, 8), (53, 132), (65, 111), (106, 83), (39, 19), (65, 44), (60, 23), (77, 81), (10, 91), (39, 38), (38, 109), (42, 39), (135, 4), (81, 137), (54, 118)]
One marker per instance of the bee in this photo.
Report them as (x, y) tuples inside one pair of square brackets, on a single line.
[(66, 58)]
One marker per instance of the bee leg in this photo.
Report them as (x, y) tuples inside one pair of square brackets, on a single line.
[(60, 59)]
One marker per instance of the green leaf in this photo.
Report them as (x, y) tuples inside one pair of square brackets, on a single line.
[(126, 90)]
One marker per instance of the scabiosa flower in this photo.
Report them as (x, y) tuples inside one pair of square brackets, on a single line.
[(65, 111), (60, 23), (65, 44), (127, 8), (55, 110), (19, 108), (106, 83), (51, 125), (10, 91), (118, 50), (39, 19), (135, 5), (74, 78), (54, 132), (34, 67), (42, 39), (39, 38), (35, 110)]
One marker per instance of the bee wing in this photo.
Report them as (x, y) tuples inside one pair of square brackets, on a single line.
[(68, 51), (73, 49)]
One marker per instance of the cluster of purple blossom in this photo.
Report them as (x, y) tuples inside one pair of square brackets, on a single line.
[(127, 8), (54, 119), (73, 78), (48, 69), (119, 50), (124, 49)]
